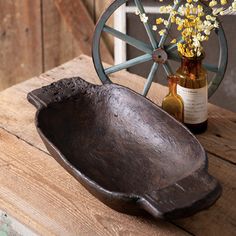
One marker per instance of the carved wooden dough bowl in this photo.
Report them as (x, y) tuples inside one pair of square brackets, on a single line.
[(124, 149)]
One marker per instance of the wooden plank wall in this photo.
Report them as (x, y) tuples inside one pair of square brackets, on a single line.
[(20, 40), (100, 6), (34, 38)]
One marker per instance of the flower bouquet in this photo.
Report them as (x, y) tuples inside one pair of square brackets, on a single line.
[(188, 88)]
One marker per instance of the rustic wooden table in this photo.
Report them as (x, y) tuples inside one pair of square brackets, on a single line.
[(37, 192)]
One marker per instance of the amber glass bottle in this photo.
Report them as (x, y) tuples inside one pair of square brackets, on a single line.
[(193, 89), (173, 103)]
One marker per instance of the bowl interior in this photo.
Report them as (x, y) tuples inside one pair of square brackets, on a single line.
[(121, 140)]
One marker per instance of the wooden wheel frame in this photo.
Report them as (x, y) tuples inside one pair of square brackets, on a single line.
[(156, 51)]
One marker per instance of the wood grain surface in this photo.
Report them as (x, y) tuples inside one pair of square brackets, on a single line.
[(100, 7), (35, 38), (54, 203), (220, 218), (59, 44), (20, 41), (81, 25), (41, 194)]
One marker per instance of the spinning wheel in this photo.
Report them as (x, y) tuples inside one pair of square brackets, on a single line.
[(155, 51)]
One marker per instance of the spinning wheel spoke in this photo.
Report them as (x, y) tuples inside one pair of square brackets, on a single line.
[(164, 37), (128, 39), (150, 79), (147, 25), (211, 68), (129, 63), (167, 68), (174, 56)]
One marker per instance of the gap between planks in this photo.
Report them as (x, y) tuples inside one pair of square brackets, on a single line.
[(40, 193), (34, 164), (72, 69), (218, 140)]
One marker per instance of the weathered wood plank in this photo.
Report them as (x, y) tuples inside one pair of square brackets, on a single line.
[(59, 44), (220, 219), (81, 25), (99, 7), (221, 122), (49, 186), (36, 190), (13, 118), (90, 5), (20, 41), (10, 226), (220, 138)]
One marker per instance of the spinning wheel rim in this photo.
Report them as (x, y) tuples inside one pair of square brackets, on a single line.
[(103, 73)]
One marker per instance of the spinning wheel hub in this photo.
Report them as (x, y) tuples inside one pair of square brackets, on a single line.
[(159, 56)]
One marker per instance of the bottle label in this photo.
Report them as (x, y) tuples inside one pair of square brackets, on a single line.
[(195, 104)]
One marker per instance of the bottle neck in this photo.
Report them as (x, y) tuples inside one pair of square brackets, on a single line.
[(172, 87), (192, 66)]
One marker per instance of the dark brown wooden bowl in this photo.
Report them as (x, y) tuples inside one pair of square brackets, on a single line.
[(124, 149)]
